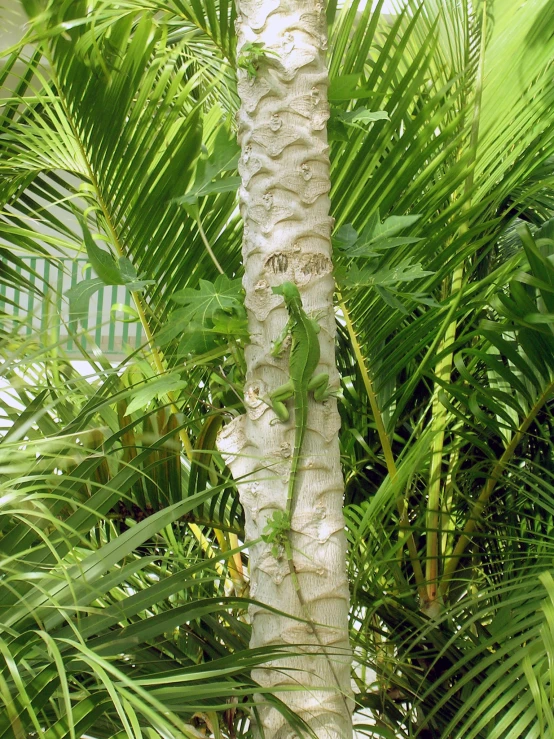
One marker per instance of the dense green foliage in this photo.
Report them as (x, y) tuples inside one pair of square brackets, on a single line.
[(123, 594)]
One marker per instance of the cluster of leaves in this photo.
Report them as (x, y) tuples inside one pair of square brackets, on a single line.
[(250, 56), (125, 608), (276, 532), (376, 238), (131, 599), (121, 627), (213, 310), (451, 391)]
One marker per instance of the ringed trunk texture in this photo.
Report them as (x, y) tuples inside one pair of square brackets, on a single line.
[(287, 236)]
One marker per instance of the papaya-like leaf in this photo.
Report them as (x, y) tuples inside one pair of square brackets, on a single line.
[(376, 236), (222, 295), (405, 271)]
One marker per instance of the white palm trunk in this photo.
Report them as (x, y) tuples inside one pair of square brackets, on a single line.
[(285, 206)]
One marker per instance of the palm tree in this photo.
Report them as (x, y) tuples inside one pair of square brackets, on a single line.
[(284, 165), (125, 592)]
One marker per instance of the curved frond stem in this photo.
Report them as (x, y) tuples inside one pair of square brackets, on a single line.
[(208, 247), (368, 384), (435, 507), (438, 428), (234, 561), (157, 358), (488, 489), (446, 521), (237, 559), (207, 547), (386, 447), (156, 355)]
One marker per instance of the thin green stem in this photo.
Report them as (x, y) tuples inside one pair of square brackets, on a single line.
[(386, 447), (438, 427), (208, 247)]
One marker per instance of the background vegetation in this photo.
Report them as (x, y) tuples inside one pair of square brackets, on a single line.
[(124, 587)]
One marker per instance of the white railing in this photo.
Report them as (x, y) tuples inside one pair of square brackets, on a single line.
[(44, 311)]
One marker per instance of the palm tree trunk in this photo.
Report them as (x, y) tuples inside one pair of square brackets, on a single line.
[(287, 228)]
